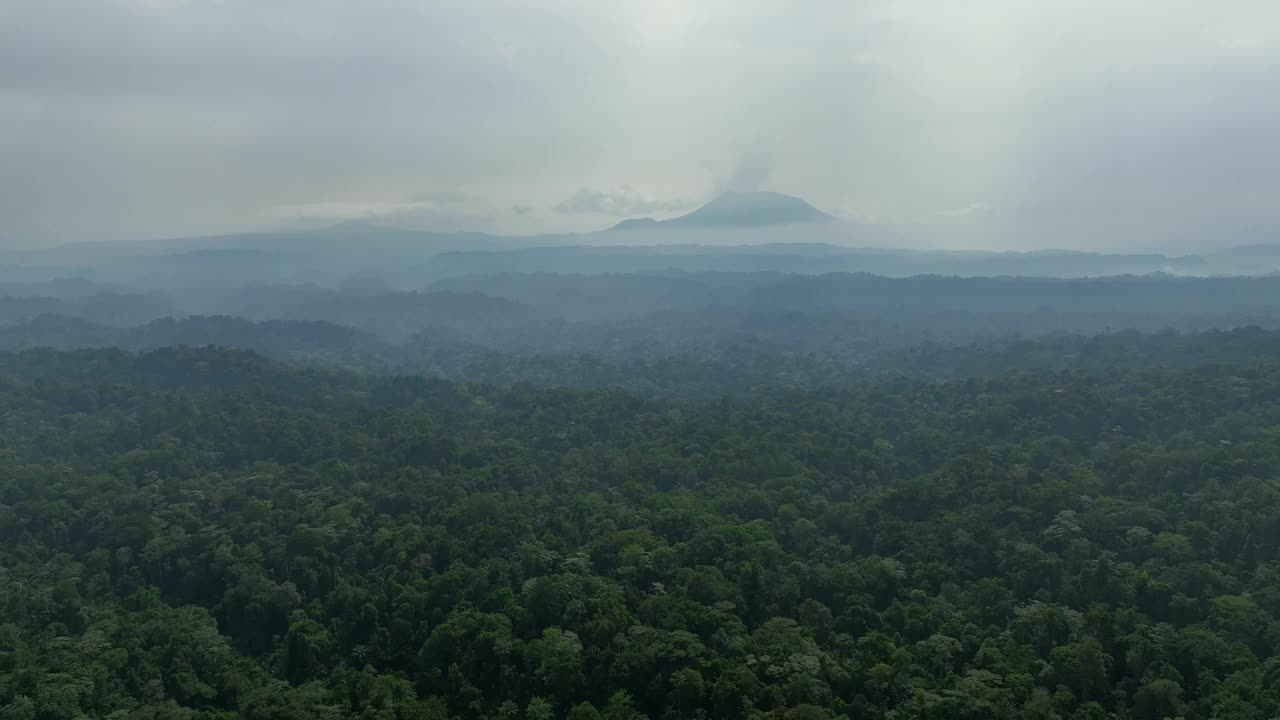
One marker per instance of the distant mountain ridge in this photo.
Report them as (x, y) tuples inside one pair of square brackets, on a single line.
[(738, 210), (736, 232)]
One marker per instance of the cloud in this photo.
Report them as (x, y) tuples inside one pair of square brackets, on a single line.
[(624, 202), (749, 174), (1089, 123), (419, 211), (965, 211)]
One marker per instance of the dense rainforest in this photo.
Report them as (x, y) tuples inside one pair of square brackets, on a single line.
[(204, 533), (691, 356), (412, 360)]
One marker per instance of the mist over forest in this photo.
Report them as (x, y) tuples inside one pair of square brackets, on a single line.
[(731, 466), (652, 360), (751, 279)]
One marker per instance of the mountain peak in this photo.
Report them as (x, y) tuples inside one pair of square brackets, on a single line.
[(739, 210), (636, 224)]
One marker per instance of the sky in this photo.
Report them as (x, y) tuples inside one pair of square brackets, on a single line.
[(1091, 124)]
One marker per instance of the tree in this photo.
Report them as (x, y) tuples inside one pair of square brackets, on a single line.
[(1158, 700), (539, 708), (583, 711), (556, 658)]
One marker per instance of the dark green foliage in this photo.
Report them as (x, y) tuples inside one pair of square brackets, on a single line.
[(205, 534), (701, 354)]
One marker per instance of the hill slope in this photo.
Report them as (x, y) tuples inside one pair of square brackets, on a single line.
[(738, 210)]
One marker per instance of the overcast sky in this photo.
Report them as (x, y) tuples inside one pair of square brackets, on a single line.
[(985, 123)]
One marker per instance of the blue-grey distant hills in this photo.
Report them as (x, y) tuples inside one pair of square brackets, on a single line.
[(735, 232), (738, 210)]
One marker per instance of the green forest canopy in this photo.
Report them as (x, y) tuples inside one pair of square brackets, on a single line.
[(205, 534)]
